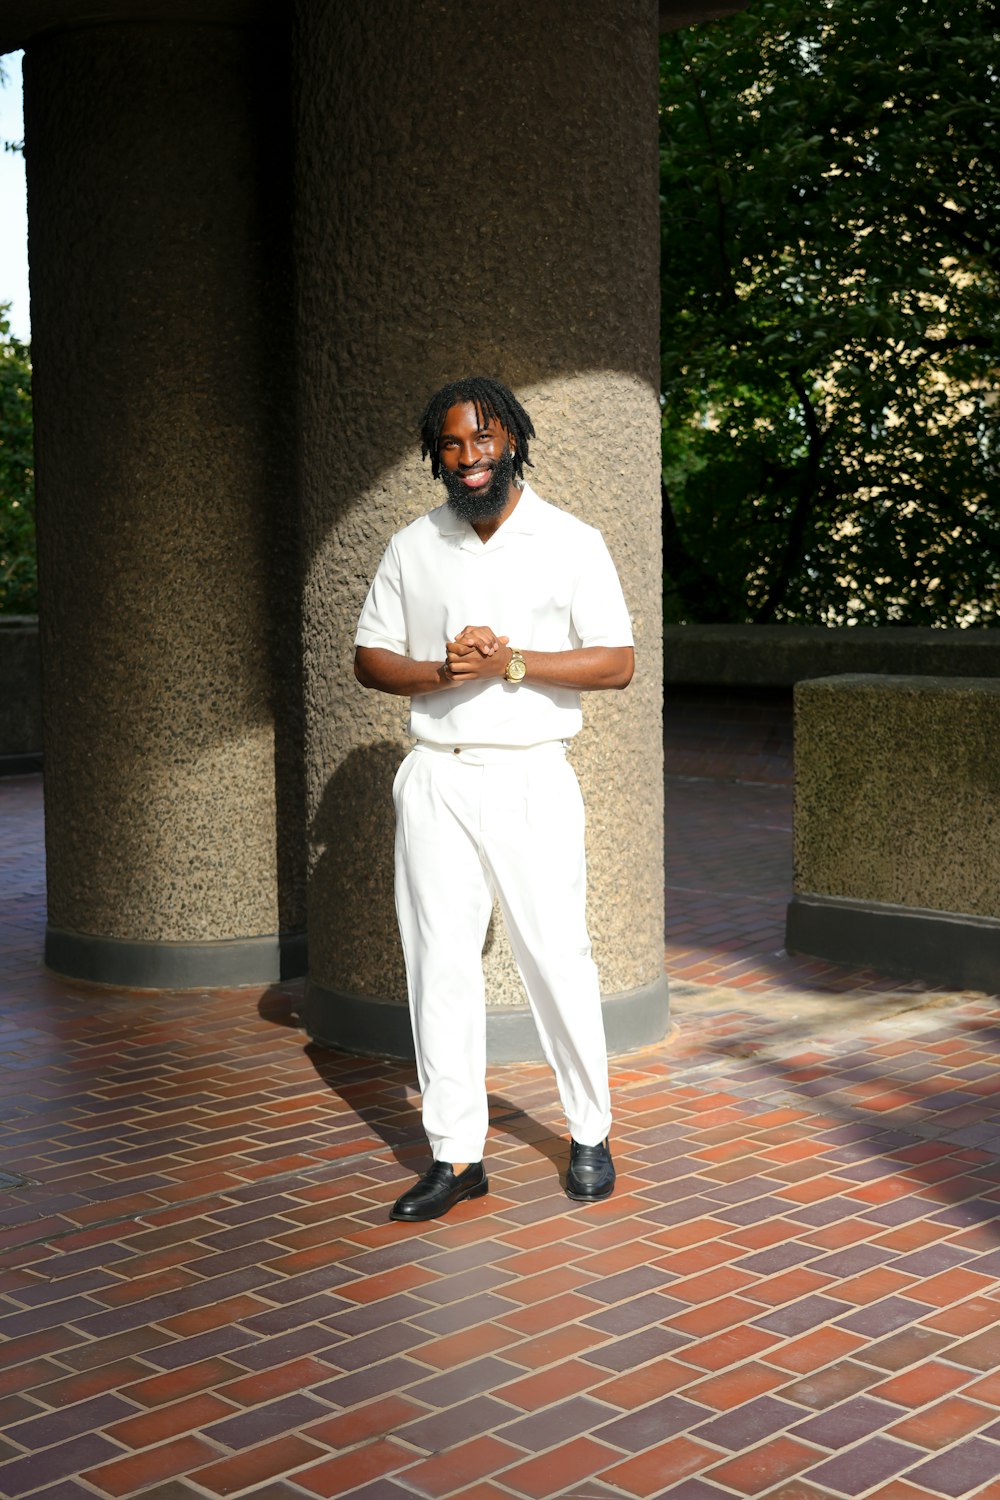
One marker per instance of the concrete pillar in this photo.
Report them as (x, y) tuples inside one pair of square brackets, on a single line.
[(478, 196), (167, 556)]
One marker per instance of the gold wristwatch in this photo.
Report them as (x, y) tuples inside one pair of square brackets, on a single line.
[(515, 667)]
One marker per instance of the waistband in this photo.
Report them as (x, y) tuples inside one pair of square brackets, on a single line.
[(492, 755)]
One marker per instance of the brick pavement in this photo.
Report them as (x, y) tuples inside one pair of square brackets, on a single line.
[(794, 1293)]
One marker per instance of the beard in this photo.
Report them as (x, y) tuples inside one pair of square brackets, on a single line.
[(485, 503)]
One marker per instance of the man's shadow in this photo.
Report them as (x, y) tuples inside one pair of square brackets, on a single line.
[(386, 1106), (353, 834)]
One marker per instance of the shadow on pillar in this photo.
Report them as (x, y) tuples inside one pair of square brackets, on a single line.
[(352, 837), (455, 218), (164, 435)]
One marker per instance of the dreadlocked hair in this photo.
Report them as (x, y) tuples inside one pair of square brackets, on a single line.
[(491, 400)]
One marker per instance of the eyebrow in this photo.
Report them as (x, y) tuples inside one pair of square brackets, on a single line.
[(453, 436)]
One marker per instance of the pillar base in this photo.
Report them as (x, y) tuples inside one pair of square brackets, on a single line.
[(176, 966), (381, 1028), (912, 942)]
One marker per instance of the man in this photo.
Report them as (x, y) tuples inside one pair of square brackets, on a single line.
[(486, 803)]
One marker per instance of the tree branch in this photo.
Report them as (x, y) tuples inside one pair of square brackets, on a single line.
[(700, 592)]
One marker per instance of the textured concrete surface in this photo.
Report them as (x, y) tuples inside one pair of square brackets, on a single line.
[(156, 434), (897, 793), (780, 655), (501, 218), (20, 686)]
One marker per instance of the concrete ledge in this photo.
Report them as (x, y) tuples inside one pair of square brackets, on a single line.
[(20, 691), (20, 765), (897, 807), (897, 792), (175, 966), (781, 655), (939, 947), (381, 1028)]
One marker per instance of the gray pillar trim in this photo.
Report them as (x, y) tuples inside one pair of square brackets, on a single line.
[(374, 1027), (176, 966), (912, 942)]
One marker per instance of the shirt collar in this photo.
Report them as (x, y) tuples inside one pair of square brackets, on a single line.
[(523, 521)]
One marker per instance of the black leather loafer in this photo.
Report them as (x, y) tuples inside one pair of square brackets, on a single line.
[(438, 1190), (591, 1172)]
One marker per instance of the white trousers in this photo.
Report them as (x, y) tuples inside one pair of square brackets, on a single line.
[(471, 824)]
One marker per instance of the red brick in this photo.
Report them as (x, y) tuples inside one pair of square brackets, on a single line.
[(950, 1286), (255, 1465), (151, 1285), (387, 1284), (899, 1489), (442, 1472), (550, 1473), (872, 1285), (819, 1347), (735, 1386), (215, 1315), (34, 1375), (348, 1471), (538, 1316), (532, 1392), (760, 1468), (553, 1346), (32, 1346), (279, 1380), (170, 1421), (457, 1348), (545, 1257), (966, 1317), (364, 1422), (728, 1348), (710, 1284), (123, 1476), (658, 1467), (927, 1382), (638, 1387), (788, 1286), (943, 1424), (174, 1384)]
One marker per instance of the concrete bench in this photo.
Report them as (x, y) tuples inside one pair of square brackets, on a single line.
[(20, 693), (774, 656), (897, 826)]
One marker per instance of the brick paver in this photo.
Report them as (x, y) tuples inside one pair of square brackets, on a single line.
[(795, 1294)]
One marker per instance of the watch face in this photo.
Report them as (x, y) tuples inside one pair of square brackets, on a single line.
[(516, 669)]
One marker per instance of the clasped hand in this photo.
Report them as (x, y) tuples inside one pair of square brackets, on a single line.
[(476, 652)]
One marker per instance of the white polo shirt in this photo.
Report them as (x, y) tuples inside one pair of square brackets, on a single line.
[(545, 579)]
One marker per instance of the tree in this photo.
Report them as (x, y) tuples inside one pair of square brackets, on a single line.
[(831, 259), (18, 574)]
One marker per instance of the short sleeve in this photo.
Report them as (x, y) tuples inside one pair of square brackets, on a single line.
[(383, 621), (599, 613)]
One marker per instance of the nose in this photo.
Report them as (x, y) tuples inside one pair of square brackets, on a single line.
[(468, 455)]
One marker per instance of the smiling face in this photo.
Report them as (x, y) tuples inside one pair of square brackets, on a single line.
[(477, 463)]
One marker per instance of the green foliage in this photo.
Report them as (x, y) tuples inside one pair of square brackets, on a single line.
[(831, 259), (18, 573)]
